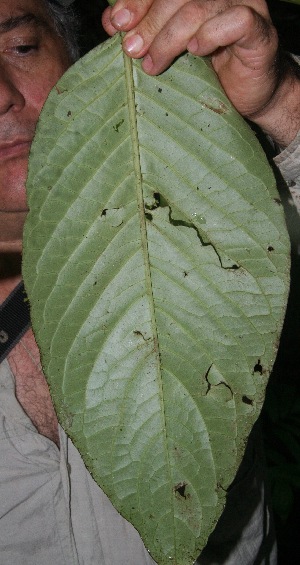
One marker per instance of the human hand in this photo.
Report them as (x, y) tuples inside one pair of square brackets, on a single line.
[(237, 34)]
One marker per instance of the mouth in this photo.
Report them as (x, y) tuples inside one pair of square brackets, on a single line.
[(14, 149)]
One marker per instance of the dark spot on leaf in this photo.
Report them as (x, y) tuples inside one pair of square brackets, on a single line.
[(180, 489), (149, 216), (185, 274), (167, 114), (139, 333), (234, 267), (221, 487), (206, 378), (270, 248), (103, 213), (247, 400), (118, 125), (258, 368), (69, 113), (159, 90), (278, 201)]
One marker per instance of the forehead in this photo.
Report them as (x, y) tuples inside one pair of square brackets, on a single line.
[(18, 12)]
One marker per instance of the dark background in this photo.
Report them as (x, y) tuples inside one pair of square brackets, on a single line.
[(285, 15), (281, 414)]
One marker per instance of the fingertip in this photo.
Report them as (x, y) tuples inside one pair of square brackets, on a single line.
[(193, 45), (121, 19), (133, 45), (106, 22), (147, 64)]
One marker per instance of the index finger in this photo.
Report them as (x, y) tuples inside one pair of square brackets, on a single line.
[(140, 36), (125, 14)]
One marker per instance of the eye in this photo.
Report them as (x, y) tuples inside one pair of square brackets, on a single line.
[(25, 49)]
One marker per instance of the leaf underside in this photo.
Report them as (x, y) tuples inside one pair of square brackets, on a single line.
[(156, 264)]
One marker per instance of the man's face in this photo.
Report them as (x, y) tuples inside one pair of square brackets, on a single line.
[(32, 59)]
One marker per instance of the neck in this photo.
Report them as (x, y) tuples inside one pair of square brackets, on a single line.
[(10, 273)]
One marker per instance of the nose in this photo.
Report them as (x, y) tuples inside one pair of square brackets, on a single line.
[(11, 99)]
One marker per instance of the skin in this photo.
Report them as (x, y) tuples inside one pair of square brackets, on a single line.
[(241, 40), (32, 59)]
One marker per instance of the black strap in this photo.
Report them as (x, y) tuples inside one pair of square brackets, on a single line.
[(14, 319)]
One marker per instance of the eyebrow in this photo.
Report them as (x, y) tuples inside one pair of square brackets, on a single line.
[(19, 21)]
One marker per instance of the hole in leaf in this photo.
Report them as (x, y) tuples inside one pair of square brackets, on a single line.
[(258, 368), (154, 202), (180, 489), (247, 400)]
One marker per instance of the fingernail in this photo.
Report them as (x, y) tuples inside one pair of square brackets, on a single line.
[(193, 45), (121, 18), (133, 44), (147, 64)]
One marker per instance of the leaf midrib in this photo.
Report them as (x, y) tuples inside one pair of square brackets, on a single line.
[(130, 88)]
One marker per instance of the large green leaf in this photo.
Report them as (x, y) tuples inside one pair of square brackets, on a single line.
[(156, 263)]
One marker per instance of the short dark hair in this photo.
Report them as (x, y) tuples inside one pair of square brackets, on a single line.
[(66, 25)]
